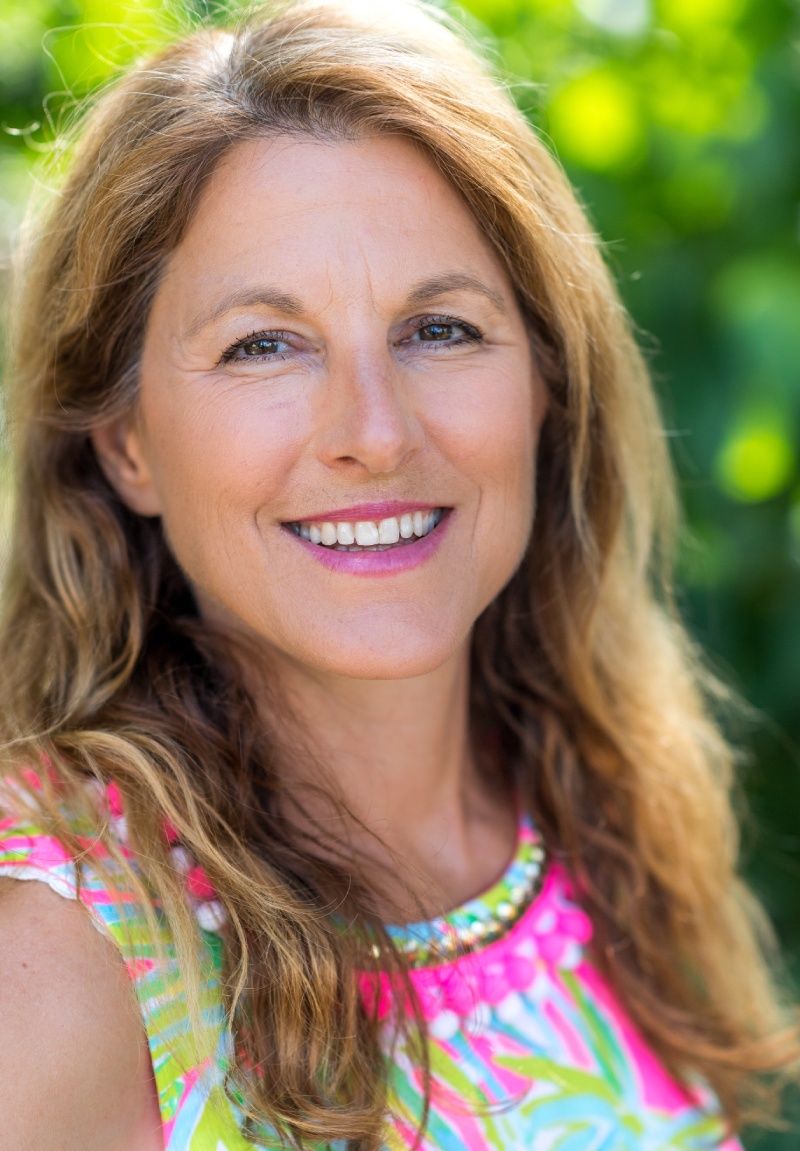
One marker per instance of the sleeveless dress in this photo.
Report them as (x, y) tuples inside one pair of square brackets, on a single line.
[(529, 1049)]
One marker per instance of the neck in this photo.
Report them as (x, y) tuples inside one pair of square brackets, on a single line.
[(398, 756)]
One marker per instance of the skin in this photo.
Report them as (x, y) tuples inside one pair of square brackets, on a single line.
[(75, 1070), (359, 400)]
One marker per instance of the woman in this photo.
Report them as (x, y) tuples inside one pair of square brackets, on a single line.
[(341, 681)]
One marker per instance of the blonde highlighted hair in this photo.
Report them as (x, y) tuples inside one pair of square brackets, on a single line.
[(582, 674)]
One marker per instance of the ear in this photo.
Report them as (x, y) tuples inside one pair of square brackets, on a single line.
[(120, 451)]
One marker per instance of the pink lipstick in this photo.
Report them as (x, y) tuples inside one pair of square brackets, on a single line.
[(402, 556)]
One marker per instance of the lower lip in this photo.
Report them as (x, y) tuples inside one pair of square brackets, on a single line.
[(385, 563)]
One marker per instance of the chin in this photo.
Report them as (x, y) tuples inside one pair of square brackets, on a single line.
[(382, 657)]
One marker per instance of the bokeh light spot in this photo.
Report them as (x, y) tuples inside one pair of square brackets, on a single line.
[(757, 460), (623, 17), (595, 119), (688, 15)]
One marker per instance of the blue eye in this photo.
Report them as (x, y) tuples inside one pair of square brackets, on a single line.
[(435, 332), (445, 331), (256, 346)]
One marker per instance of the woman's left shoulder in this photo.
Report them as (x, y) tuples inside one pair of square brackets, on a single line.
[(77, 1075), (188, 1063)]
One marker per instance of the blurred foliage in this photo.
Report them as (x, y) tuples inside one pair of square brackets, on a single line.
[(679, 124)]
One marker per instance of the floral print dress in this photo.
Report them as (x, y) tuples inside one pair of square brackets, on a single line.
[(529, 1049)]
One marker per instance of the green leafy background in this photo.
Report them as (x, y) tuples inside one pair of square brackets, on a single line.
[(679, 124)]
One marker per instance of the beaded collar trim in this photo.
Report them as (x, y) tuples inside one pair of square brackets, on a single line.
[(485, 918), (474, 924)]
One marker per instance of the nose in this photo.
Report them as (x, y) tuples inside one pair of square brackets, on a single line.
[(366, 415)]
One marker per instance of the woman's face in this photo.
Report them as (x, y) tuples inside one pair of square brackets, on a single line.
[(334, 330)]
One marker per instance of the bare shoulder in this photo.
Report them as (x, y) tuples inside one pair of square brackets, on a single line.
[(75, 1071)]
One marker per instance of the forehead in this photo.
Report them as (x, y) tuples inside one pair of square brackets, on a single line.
[(320, 209)]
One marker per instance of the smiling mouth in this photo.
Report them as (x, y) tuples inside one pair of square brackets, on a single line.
[(370, 535)]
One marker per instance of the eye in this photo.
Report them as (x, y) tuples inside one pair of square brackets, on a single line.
[(446, 331), (257, 346)]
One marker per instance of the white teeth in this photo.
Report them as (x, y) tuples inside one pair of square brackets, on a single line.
[(367, 534), (388, 531)]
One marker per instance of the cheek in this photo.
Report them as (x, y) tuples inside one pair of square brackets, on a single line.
[(493, 430), (500, 433), (216, 461)]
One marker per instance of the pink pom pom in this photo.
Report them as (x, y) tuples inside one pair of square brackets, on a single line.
[(519, 972), (171, 832), (551, 947), (429, 994), (199, 885), (375, 993), (460, 994), (114, 799), (32, 778), (576, 924), (494, 983)]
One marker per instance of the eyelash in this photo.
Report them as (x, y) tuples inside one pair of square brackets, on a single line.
[(229, 355), (473, 336)]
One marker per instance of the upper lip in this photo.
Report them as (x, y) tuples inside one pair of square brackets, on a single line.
[(377, 511)]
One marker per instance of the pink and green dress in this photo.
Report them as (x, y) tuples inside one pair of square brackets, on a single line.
[(530, 1051)]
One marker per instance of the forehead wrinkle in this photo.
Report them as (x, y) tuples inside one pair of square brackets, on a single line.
[(276, 298), (359, 251)]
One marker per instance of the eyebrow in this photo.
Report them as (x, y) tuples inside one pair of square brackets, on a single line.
[(248, 298), (427, 290), (421, 293)]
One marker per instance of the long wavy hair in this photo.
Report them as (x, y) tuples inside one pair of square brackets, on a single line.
[(583, 680)]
